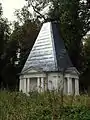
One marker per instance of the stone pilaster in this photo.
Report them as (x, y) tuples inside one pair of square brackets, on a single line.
[(42, 84), (38, 84), (76, 86), (65, 86), (20, 85), (69, 85), (28, 85), (24, 90)]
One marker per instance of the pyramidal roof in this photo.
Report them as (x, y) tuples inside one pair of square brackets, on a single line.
[(48, 53)]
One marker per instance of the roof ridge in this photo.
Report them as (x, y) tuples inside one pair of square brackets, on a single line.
[(52, 37)]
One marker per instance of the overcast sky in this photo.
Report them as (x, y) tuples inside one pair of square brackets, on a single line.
[(9, 7)]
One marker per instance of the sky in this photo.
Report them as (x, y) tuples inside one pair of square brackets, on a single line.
[(9, 7)]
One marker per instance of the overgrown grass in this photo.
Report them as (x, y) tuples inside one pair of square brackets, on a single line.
[(44, 106)]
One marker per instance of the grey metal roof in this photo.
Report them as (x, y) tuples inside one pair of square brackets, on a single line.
[(48, 52)]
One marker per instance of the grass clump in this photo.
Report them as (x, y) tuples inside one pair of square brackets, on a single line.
[(44, 106)]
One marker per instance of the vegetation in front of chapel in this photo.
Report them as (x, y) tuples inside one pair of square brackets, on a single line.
[(45, 106)]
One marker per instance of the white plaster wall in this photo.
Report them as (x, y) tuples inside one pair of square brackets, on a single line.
[(33, 84), (65, 91), (61, 82), (54, 81), (46, 84)]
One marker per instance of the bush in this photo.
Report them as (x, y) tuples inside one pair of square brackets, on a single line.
[(44, 106)]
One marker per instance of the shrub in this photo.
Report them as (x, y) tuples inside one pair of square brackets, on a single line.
[(44, 106)]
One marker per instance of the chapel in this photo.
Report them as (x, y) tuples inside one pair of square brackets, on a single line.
[(48, 66)]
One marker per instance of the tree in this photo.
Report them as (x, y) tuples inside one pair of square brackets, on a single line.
[(23, 15), (4, 38), (86, 62), (38, 6), (20, 40), (73, 17), (24, 36)]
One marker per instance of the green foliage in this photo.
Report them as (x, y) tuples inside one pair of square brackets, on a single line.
[(4, 38), (24, 37), (23, 15), (20, 40), (45, 106), (38, 6), (73, 17), (86, 62)]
